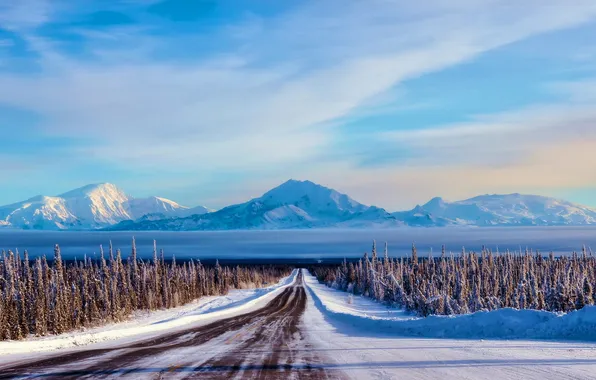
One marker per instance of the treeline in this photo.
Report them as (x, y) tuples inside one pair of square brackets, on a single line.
[(469, 281), (42, 298)]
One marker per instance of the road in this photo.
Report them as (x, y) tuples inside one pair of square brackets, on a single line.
[(264, 344)]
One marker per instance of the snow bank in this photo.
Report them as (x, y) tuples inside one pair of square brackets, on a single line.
[(366, 315), (146, 324)]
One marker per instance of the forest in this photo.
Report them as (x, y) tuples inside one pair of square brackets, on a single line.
[(42, 297), (469, 281)]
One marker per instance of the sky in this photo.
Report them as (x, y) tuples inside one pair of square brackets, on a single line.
[(214, 102)]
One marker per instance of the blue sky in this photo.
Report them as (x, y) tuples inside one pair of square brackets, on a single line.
[(214, 102)]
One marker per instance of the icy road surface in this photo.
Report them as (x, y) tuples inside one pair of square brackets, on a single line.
[(305, 330)]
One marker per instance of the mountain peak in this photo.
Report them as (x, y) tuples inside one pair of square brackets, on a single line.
[(294, 189), (166, 201), (299, 184), (312, 197), (419, 209), (435, 202), (96, 188)]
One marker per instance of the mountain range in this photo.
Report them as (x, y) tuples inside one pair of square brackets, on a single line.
[(89, 207), (292, 205)]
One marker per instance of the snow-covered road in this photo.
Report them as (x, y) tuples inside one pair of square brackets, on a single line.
[(306, 330), (265, 343)]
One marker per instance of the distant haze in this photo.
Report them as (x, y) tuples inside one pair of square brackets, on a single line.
[(305, 244)]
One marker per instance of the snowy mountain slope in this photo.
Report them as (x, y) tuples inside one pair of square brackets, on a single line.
[(89, 207), (420, 217), (165, 208), (313, 198), (39, 213), (199, 210), (153, 205), (168, 212), (535, 209), (509, 209), (97, 205), (294, 204)]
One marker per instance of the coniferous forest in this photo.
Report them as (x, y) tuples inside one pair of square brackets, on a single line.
[(40, 297), (469, 281)]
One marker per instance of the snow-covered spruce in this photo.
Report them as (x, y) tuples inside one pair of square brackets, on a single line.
[(469, 282), (40, 299)]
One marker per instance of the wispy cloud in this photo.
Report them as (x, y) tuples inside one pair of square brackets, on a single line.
[(26, 14), (495, 139)]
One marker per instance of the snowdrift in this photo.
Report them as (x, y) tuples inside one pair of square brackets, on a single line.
[(363, 315)]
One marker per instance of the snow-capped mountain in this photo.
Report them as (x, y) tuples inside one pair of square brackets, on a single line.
[(161, 208), (294, 204), (304, 204), (502, 210), (419, 217), (89, 207)]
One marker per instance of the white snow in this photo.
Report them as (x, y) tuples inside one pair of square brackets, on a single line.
[(38, 212), (146, 324), (286, 214), (498, 324), (364, 341), (101, 204), (351, 307)]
